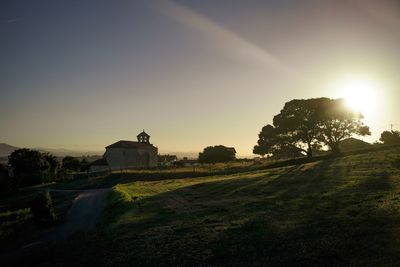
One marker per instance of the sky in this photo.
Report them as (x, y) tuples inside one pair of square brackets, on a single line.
[(82, 74)]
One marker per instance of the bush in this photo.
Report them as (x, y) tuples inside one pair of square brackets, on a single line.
[(216, 154), (42, 209)]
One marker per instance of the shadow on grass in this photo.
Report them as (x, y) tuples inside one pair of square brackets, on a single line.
[(129, 177), (309, 215)]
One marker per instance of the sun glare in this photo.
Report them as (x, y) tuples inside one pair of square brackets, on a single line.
[(360, 94)]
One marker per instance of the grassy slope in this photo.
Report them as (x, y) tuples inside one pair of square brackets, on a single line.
[(342, 211)]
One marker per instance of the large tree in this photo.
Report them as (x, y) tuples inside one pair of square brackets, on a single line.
[(390, 137), (338, 122), (29, 166), (304, 125), (297, 124), (215, 154)]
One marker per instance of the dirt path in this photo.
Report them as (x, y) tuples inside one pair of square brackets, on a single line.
[(82, 216)]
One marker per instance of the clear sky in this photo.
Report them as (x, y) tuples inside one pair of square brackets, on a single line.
[(81, 74)]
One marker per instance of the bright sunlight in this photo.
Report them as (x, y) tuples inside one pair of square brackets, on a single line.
[(360, 93)]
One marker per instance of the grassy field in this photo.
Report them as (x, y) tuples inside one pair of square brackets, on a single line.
[(337, 211)]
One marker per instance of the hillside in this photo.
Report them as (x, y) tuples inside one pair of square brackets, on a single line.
[(351, 144), (6, 149), (338, 211), (61, 152)]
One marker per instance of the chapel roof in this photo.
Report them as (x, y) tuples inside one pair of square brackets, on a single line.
[(128, 144)]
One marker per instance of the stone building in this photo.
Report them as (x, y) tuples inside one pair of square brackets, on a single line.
[(130, 154)]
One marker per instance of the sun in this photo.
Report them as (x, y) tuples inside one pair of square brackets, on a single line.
[(360, 94)]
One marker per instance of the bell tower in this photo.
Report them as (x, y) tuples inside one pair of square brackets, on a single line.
[(143, 137)]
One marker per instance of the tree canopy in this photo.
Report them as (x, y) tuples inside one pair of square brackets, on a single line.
[(390, 137), (305, 125), (298, 124), (71, 163), (215, 154), (338, 122), (30, 167), (267, 139)]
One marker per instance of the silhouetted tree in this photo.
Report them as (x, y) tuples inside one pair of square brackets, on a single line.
[(298, 124), (338, 122), (286, 151), (267, 139), (214, 154), (302, 126), (390, 137), (84, 165), (29, 166), (53, 163), (71, 163)]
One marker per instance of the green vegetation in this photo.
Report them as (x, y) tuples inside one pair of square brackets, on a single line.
[(17, 225), (390, 137), (11, 221), (43, 210), (31, 167), (336, 211), (215, 154)]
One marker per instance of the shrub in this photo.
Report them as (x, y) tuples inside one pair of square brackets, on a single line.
[(43, 210), (216, 154)]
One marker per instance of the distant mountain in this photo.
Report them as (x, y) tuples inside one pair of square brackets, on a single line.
[(61, 152), (6, 149), (353, 144)]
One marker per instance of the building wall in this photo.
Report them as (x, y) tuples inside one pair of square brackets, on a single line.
[(128, 158)]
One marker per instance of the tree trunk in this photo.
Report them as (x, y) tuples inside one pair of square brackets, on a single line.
[(335, 149), (309, 151)]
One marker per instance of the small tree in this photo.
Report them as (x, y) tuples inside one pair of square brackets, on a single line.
[(54, 165), (390, 137), (43, 210), (84, 165), (215, 154), (71, 163)]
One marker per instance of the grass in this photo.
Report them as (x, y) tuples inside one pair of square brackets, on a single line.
[(331, 212), (10, 221), (203, 170), (17, 227)]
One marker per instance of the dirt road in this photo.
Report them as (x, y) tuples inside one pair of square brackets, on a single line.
[(82, 216)]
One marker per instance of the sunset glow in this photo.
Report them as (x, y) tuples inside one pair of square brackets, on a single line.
[(360, 93)]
